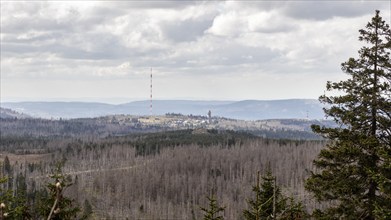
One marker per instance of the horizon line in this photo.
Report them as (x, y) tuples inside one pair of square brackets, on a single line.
[(130, 100)]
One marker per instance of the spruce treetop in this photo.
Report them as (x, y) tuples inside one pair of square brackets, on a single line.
[(353, 169)]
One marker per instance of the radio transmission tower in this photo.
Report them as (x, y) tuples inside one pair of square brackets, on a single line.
[(150, 107)]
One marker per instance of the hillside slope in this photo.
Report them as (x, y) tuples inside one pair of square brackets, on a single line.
[(246, 110), (9, 113)]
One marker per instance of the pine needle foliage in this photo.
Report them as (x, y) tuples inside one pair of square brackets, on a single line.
[(56, 205), (353, 171), (293, 211), (12, 204), (261, 207), (212, 211)]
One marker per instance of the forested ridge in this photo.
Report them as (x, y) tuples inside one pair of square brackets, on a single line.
[(125, 124)]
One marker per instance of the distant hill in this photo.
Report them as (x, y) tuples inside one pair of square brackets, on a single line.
[(273, 109), (61, 109), (246, 110), (8, 113)]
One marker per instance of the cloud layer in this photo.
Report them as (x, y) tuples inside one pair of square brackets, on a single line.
[(204, 50)]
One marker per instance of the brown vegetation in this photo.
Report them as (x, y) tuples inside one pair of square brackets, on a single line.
[(173, 184)]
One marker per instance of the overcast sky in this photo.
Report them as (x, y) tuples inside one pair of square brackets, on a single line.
[(218, 50)]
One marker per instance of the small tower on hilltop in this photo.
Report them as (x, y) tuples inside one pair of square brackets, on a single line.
[(210, 117)]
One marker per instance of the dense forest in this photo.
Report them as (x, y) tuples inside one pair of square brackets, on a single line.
[(168, 174)]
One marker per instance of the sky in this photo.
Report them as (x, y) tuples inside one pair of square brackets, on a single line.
[(202, 50)]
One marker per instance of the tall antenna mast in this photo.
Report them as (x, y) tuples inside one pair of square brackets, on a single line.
[(150, 107)]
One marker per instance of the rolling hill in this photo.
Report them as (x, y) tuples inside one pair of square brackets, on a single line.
[(8, 113), (246, 110)]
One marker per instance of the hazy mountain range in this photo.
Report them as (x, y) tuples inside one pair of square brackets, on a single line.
[(8, 113), (247, 109)]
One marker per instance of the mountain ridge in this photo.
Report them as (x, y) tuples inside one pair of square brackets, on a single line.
[(244, 109)]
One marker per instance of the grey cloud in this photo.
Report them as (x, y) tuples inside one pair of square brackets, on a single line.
[(32, 38), (153, 4), (286, 27), (234, 54), (276, 25), (33, 18), (187, 30), (258, 5), (225, 56), (318, 10), (105, 47), (321, 10), (22, 25), (72, 21)]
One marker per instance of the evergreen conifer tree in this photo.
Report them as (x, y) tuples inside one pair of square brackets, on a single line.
[(212, 212), (12, 205), (354, 168), (293, 211), (262, 206), (55, 205), (87, 210), (7, 166)]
